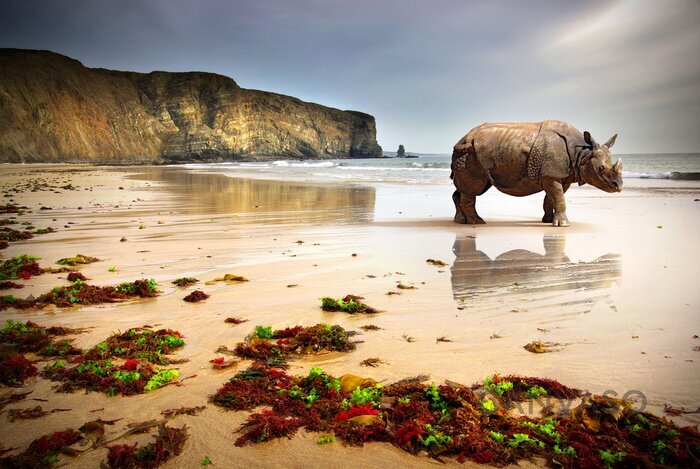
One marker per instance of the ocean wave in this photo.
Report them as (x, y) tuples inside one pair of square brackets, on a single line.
[(294, 164), (435, 164), (390, 168), (674, 175)]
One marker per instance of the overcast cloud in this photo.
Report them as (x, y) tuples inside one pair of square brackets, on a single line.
[(428, 71)]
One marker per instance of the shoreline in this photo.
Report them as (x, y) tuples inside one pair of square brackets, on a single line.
[(588, 285)]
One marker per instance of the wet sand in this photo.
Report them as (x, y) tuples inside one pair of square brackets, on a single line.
[(618, 287)]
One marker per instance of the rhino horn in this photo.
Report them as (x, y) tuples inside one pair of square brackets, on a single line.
[(589, 139), (617, 167), (611, 142)]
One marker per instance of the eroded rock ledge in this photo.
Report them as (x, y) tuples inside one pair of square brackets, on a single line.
[(53, 109)]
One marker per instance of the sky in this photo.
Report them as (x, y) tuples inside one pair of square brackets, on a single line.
[(427, 70)]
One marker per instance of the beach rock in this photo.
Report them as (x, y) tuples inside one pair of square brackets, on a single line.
[(53, 109), (348, 382)]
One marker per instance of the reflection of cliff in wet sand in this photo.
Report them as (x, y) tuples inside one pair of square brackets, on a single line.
[(522, 278), (273, 201)]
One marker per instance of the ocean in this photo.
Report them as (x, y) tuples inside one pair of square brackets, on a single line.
[(433, 169)]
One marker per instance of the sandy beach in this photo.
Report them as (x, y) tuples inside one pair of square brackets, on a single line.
[(617, 290)]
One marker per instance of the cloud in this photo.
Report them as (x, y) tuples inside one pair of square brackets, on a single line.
[(428, 71)]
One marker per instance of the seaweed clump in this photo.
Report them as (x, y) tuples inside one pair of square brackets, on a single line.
[(140, 343), (9, 235), (266, 426), (185, 281), (12, 208), (452, 420), (265, 344), (196, 296), (81, 293), (11, 301), (79, 259), (168, 443), (73, 276), (15, 369), (42, 452), (137, 349), (31, 337), (6, 285), (349, 304), (22, 266)]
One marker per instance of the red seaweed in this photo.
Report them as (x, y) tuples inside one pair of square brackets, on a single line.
[(168, 443), (453, 420), (196, 296), (43, 451), (355, 411), (15, 369), (266, 426), (73, 276)]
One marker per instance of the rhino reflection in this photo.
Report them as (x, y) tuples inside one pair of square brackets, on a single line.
[(271, 201), (525, 278)]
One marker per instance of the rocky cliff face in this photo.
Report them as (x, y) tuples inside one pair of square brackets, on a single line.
[(53, 109)]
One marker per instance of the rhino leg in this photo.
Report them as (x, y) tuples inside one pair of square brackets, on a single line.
[(555, 194), (548, 206), (466, 207), (460, 217), (470, 180)]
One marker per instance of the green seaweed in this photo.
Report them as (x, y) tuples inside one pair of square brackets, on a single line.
[(367, 395), (263, 332), (325, 439), (497, 385), (134, 288), (497, 436), (435, 437), (349, 304), (546, 428), (160, 379), (610, 459), (568, 451), (523, 439), (536, 391)]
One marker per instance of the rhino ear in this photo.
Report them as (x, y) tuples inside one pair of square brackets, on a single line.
[(588, 138), (611, 142)]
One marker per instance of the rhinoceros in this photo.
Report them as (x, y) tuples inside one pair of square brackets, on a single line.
[(525, 158)]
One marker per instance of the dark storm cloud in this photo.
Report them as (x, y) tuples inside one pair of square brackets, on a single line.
[(428, 71)]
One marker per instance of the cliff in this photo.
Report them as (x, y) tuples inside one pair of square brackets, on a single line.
[(53, 109)]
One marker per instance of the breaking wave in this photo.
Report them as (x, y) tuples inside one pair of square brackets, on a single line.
[(674, 175)]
